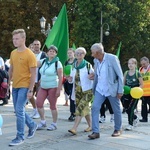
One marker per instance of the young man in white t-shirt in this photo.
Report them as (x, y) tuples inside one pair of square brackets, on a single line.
[(39, 55)]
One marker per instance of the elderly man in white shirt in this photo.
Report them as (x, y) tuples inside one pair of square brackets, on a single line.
[(108, 83)]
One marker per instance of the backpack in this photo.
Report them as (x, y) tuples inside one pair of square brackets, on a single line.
[(43, 55), (136, 73), (3, 74), (88, 67), (66, 62), (3, 85)]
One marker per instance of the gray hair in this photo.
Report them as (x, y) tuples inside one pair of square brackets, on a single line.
[(53, 47), (82, 49), (145, 59), (98, 47)]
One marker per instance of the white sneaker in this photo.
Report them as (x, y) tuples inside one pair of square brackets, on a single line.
[(112, 118), (129, 127), (41, 126), (102, 119), (36, 115), (32, 114), (135, 122)]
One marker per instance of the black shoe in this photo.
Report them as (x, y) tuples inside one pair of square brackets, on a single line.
[(71, 118), (143, 120), (94, 135), (3, 102), (116, 133)]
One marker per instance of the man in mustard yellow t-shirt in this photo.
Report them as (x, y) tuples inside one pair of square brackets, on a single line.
[(22, 72)]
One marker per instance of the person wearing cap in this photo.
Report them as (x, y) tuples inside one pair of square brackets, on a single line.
[(51, 71)]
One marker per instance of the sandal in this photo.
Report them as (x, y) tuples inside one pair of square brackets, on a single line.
[(52, 127), (88, 129), (72, 131)]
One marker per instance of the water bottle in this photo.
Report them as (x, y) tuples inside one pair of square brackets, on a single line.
[(5, 80), (4, 83)]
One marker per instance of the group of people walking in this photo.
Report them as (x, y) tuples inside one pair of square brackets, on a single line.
[(41, 74)]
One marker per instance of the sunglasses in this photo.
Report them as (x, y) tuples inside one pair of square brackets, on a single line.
[(79, 53)]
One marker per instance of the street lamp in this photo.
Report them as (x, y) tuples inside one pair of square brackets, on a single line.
[(43, 23), (54, 20), (102, 25)]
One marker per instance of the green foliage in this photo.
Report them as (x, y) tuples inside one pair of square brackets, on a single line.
[(128, 21), (24, 14)]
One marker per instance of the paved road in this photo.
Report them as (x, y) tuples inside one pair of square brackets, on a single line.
[(61, 139)]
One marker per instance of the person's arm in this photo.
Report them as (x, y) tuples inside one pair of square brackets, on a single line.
[(119, 74), (60, 77), (91, 74), (141, 82), (32, 82), (124, 78), (38, 64), (10, 71)]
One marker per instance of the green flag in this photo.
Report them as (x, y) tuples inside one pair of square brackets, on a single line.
[(59, 35), (74, 46), (119, 48)]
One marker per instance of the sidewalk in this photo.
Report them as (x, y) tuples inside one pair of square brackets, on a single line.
[(61, 139)]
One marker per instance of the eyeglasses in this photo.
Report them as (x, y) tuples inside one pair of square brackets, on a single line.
[(79, 53), (36, 44)]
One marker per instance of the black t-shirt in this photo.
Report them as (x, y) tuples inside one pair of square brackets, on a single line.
[(133, 81)]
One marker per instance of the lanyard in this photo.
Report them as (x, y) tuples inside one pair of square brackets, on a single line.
[(45, 67), (99, 68)]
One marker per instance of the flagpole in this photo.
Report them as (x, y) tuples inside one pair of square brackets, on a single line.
[(43, 47), (119, 49)]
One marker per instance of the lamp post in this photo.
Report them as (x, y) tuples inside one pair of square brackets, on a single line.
[(102, 25), (43, 23)]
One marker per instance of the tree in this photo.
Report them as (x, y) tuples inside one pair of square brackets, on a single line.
[(24, 14), (128, 21)]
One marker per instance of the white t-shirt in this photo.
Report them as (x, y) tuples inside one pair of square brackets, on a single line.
[(38, 56), (2, 65), (102, 85)]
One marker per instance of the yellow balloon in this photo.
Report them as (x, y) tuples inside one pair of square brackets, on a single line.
[(136, 92)]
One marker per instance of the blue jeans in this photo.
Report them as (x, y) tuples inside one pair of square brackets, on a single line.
[(97, 103), (19, 100)]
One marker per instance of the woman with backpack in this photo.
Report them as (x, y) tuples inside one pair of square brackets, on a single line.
[(132, 78), (81, 76), (50, 86)]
